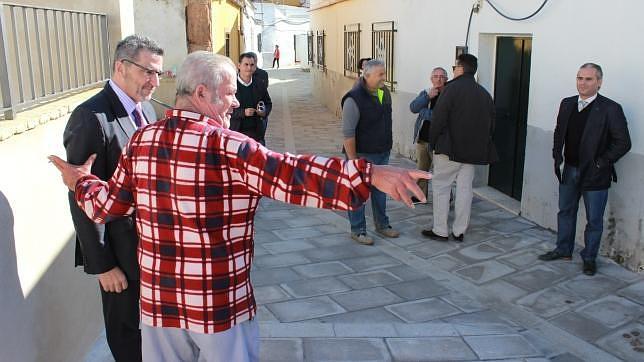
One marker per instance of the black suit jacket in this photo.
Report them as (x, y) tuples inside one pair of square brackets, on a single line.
[(604, 141), (101, 125)]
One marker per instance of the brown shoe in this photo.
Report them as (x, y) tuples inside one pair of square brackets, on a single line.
[(362, 238), (388, 232)]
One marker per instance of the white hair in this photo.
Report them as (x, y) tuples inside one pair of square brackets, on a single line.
[(202, 67)]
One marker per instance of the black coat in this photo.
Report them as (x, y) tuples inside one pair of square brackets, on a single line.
[(462, 123), (260, 93), (101, 125), (261, 76), (604, 141)]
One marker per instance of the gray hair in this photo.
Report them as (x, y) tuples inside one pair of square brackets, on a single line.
[(441, 69), (130, 47), (598, 69), (371, 65), (202, 67)]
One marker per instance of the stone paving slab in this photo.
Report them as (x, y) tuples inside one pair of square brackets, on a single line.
[(418, 289), (484, 272), (535, 278), (550, 302), (430, 349), (612, 311), (315, 287), (346, 349), (366, 298), (423, 310), (501, 347), (280, 350), (581, 326), (324, 269), (370, 279), (626, 343), (303, 309)]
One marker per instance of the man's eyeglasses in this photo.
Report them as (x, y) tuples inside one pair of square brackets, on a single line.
[(456, 66), (148, 72)]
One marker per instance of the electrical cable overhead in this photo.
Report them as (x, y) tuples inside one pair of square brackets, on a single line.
[(475, 9), (516, 19)]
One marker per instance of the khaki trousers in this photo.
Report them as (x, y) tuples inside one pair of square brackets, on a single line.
[(423, 162), (445, 173)]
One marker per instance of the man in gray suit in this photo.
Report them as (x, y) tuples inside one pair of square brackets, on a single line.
[(102, 125)]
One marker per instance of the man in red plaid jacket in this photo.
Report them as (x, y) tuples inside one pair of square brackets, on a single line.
[(195, 186)]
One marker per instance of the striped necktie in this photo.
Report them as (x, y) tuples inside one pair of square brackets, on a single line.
[(137, 116)]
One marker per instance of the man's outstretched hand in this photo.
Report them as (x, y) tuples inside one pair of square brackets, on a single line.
[(399, 183), (71, 173)]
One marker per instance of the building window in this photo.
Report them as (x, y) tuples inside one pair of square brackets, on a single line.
[(382, 48), (321, 39), (351, 50), (259, 42), (227, 46), (309, 40)]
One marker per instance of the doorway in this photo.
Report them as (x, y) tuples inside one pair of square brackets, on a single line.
[(511, 91)]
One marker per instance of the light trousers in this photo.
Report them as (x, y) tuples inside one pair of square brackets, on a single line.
[(239, 344), (447, 172)]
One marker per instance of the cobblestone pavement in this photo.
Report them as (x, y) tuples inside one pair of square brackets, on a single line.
[(322, 297)]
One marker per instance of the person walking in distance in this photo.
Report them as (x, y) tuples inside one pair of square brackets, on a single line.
[(276, 56)]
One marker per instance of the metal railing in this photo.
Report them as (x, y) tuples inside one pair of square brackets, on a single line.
[(382, 48), (351, 50), (321, 42), (46, 53), (310, 41)]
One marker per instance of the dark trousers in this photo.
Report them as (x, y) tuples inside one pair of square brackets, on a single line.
[(121, 315), (595, 203), (278, 62)]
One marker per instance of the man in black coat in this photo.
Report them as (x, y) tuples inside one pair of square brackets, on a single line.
[(460, 134), (592, 134), (102, 125), (254, 101)]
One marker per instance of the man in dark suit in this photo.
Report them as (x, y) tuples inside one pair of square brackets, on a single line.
[(102, 125), (593, 135), (255, 102)]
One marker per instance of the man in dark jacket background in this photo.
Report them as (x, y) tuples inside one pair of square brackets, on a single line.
[(255, 102), (593, 135), (460, 134)]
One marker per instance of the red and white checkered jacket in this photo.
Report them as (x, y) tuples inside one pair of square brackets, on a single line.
[(195, 187)]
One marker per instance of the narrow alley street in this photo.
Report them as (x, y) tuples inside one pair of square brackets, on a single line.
[(322, 297)]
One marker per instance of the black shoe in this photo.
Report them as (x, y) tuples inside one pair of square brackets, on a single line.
[(590, 268), (459, 238), (430, 234), (554, 255)]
